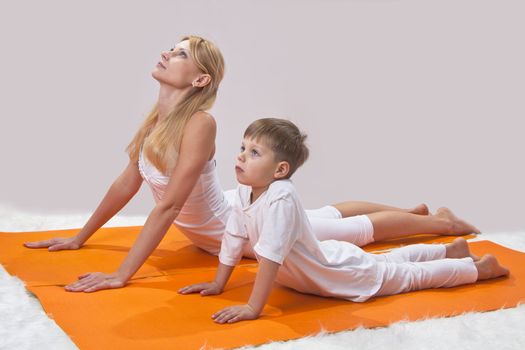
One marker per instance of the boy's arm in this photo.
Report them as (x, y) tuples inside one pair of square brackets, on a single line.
[(261, 290), (211, 288)]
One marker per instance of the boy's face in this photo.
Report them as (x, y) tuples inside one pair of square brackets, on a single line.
[(256, 165)]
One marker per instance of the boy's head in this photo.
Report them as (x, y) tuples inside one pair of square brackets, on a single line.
[(272, 149)]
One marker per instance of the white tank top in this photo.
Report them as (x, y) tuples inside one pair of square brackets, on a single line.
[(204, 215)]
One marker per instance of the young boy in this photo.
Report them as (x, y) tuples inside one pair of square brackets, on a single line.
[(269, 216)]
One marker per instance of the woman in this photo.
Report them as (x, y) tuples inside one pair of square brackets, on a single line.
[(173, 152)]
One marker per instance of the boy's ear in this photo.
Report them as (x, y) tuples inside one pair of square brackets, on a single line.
[(282, 170)]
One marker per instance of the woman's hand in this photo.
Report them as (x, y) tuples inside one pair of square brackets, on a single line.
[(93, 281), (55, 244), (206, 288), (234, 314)]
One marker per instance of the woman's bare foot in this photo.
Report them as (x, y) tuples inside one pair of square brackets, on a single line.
[(459, 249), (420, 209), (458, 227), (488, 267)]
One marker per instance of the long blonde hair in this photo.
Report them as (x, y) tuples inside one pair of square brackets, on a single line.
[(167, 133)]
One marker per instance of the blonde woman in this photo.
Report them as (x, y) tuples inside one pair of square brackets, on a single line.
[(173, 152)]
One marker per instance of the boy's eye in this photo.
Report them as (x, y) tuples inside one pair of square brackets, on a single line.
[(182, 53), (172, 49), (242, 148), (255, 153)]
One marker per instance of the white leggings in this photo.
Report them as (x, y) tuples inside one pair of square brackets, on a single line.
[(422, 266), (327, 223)]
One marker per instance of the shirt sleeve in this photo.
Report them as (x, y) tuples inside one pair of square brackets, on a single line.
[(233, 241), (280, 230)]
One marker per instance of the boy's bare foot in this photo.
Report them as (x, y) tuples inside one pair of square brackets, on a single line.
[(458, 227), (488, 267), (459, 249), (420, 209)]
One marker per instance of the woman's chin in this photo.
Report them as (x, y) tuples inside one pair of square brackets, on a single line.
[(156, 74)]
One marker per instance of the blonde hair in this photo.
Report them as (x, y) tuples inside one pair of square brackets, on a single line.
[(162, 136), (284, 138)]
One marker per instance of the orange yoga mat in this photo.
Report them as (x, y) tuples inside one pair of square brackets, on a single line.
[(149, 313)]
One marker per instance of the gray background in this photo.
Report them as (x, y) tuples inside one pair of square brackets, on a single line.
[(403, 101)]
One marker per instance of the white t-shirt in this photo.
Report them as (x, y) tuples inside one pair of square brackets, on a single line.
[(277, 228)]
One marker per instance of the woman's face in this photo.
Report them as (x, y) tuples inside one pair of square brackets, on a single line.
[(176, 67)]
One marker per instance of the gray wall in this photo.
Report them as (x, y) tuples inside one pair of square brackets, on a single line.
[(403, 101)]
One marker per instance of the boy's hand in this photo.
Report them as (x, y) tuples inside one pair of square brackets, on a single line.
[(93, 281), (206, 288), (234, 314), (55, 244)]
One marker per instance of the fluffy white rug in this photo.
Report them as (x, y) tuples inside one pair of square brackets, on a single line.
[(24, 325)]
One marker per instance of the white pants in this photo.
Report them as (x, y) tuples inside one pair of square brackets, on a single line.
[(327, 223), (423, 266)]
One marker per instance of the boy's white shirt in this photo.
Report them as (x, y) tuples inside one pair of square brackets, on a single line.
[(277, 227)]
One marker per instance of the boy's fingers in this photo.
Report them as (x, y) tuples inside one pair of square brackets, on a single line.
[(84, 275), (227, 317), (234, 319), (219, 318), (189, 289), (222, 316), (217, 314), (209, 291), (194, 288)]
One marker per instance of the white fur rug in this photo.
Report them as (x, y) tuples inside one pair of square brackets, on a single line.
[(24, 325)]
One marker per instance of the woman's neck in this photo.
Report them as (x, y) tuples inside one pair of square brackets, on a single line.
[(168, 99)]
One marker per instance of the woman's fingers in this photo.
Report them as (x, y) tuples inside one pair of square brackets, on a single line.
[(53, 244), (56, 247), (84, 287), (80, 284), (40, 244), (91, 282), (64, 244), (95, 288), (106, 284)]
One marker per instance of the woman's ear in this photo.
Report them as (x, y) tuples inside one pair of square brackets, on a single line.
[(283, 168), (202, 80)]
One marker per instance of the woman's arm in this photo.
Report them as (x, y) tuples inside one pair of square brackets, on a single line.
[(118, 195), (197, 145), (260, 293)]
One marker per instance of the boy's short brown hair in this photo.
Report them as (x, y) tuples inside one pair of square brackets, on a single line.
[(284, 138)]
